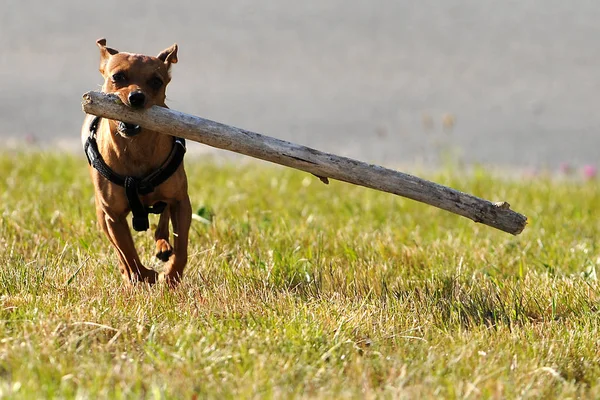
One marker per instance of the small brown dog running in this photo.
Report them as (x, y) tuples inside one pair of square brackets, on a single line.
[(136, 169)]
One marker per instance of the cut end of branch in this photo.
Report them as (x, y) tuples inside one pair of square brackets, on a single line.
[(87, 99), (520, 222), (95, 98)]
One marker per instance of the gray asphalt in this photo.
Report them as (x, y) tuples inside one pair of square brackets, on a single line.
[(373, 80)]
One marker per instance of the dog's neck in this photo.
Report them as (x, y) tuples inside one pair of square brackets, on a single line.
[(132, 156)]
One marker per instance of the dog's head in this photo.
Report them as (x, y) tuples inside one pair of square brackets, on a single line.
[(139, 81)]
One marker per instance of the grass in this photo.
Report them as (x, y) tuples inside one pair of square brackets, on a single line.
[(297, 289)]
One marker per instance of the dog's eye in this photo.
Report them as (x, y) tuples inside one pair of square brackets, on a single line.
[(155, 83), (119, 77)]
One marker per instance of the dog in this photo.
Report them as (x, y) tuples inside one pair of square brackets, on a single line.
[(138, 170)]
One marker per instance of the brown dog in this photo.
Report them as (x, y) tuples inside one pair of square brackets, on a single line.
[(136, 169)]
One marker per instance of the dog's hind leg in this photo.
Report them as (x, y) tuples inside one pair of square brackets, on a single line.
[(163, 247)]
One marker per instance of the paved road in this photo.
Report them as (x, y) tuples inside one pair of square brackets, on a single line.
[(366, 79)]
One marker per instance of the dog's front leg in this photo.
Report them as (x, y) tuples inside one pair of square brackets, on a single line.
[(181, 217), (131, 268)]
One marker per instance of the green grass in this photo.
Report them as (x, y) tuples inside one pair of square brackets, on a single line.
[(297, 289)]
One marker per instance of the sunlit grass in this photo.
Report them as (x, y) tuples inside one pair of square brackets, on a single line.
[(297, 289)]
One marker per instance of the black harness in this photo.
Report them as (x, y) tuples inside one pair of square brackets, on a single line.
[(134, 187)]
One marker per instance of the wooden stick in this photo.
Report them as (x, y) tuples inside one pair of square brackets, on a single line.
[(323, 165)]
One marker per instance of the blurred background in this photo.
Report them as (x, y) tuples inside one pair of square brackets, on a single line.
[(505, 83)]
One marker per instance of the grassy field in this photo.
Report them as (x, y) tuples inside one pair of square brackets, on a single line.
[(297, 289)]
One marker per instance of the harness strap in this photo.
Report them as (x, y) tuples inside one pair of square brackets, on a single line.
[(136, 186)]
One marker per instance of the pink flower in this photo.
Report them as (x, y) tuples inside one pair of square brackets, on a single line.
[(531, 172), (590, 171), (30, 138), (565, 168)]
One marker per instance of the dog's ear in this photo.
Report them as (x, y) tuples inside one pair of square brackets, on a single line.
[(105, 53), (169, 56)]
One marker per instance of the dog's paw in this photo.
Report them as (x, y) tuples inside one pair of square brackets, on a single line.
[(142, 275), (163, 250), (150, 277), (171, 280)]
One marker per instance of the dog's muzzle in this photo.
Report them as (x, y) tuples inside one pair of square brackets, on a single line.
[(128, 129)]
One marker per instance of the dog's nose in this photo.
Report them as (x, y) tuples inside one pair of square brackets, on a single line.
[(137, 99)]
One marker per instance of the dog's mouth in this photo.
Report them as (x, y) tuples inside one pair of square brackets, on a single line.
[(128, 129)]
